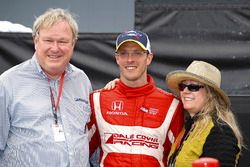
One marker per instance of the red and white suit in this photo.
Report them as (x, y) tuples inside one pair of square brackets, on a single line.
[(134, 126)]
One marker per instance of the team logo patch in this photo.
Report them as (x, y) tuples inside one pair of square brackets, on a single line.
[(132, 140), (117, 108)]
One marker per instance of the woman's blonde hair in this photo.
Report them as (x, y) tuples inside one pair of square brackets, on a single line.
[(217, 107), (53, 16)]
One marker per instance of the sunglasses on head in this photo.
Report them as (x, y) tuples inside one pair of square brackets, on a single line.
[(191, 87)]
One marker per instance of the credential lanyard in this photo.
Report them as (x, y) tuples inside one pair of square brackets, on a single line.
[(179, 144), (171, 162), (55, 105)]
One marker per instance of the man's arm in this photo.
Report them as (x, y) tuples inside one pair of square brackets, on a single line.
[(94, 137), (177, 123), (4, 119)]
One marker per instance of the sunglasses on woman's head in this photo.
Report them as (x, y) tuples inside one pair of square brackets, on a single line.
[(191, 87)]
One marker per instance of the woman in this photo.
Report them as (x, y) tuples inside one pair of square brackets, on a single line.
[(211, 129)]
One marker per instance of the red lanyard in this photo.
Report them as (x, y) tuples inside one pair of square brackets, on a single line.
[(55, 106), (178, 142)]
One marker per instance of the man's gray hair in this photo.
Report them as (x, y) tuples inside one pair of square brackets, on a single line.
[(53, 16)]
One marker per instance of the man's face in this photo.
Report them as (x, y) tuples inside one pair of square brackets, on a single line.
[(54, 48), (133, 62)]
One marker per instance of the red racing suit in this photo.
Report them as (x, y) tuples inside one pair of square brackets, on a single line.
[(134, 127)]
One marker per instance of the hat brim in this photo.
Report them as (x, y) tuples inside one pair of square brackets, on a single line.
[(131, 40), (173, 79)]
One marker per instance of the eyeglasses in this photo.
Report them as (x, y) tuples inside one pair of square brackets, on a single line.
[(136, 54), (191, 87)]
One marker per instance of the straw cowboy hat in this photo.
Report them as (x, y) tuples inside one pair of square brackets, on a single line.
[(198, 71)]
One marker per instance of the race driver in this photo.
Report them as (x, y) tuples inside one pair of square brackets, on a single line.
[(134, 124)]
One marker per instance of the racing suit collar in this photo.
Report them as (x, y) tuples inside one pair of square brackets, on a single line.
[(139, 91)]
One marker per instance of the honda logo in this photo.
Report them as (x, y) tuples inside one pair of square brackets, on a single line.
[(117, 105)]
